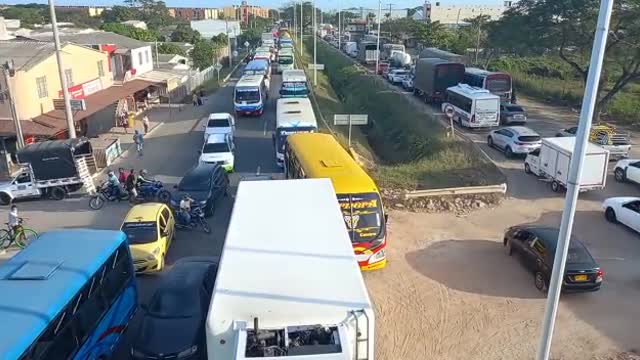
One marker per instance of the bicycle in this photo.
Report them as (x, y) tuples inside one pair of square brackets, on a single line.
[(21, 236)]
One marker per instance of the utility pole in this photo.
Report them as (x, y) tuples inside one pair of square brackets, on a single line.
[(478, 38), (226, 28), (9, 72), (295, 23), (339, 26), (71, 126), (157, 57), (575, 171), (378, 37), (301, 28), (315, 54)]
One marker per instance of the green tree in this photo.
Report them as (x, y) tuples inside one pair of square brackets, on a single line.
[(202, 54), (155, 13), (169, 48), (77, 17), (567, 28), (184, 33), (28, 15), (286, 13), (130, 31), (252, 36), (220, 40), (120, 14)]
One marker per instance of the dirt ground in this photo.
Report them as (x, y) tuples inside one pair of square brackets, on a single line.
[(450, 291)]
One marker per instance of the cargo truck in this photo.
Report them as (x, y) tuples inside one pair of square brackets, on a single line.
[(553, 158), (288, 283), (433, 77), (441, 54), (50, 169), (367, 52)]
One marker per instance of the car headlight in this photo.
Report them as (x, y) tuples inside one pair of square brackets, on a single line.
[(378, 256), (190, 351)]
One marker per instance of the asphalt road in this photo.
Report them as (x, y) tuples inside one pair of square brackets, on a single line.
[(169, 152)]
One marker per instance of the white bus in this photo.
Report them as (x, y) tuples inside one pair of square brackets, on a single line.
[(249, 95), (294, 84), (474, 107), (293, 115), (289, 291), (285, 60)]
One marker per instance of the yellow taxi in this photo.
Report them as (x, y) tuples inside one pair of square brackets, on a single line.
[(150, 228)]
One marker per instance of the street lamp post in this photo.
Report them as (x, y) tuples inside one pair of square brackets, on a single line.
[(575, 171), (339, 26), (378, 37), (301, 28), (315, 37), (71, 127)]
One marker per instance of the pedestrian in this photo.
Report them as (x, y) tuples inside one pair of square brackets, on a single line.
[(122, 175), (138, 139), (145, 123), (125, 122), (194, 98), (130, 184), (199, 101)]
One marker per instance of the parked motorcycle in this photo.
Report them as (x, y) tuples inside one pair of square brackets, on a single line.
[(197, 220), (103, 195), (151, 192)]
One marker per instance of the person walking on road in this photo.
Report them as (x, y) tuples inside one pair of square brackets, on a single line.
[(138, 139), (145, 123), (194, 98)]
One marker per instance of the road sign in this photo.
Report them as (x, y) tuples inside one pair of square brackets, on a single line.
[(350, 120), (360, 119), (217, 66), (246, 44), (448, 110), (340, 119), (76, 104), (235, 53), (316, 66)]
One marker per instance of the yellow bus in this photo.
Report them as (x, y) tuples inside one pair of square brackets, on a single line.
[(316, 155)]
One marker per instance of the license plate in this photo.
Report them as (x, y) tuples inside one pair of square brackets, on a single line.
[(580, 277)]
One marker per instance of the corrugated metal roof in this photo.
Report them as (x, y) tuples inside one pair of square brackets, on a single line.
[(25, 54), (92, 38)]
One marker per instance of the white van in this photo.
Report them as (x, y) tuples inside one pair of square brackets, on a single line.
[(474, 107), (293, 115), (285, 60), (294, 84), (288, 283), (249, 95)]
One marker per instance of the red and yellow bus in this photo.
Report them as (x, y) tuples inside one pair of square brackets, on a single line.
[(316, 155)]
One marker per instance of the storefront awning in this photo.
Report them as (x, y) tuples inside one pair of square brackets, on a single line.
[(94, 102), (29, 128)]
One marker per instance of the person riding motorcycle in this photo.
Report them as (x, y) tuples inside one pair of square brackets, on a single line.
[(114, 185), (144, 179), (184, 215)]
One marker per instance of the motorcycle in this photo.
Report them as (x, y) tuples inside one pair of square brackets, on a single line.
[(148, 192), (197, 220), (103, 195)]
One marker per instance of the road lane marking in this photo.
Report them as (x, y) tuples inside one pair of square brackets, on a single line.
[(264, 132)]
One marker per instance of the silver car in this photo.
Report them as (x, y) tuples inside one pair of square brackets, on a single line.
[(514, 140), (512, 113)]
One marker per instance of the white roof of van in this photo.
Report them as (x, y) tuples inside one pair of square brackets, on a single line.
[(293, 75), (213, 116), (287, 259), (292, 111), (473, 92), (567, 144), (250, 80)]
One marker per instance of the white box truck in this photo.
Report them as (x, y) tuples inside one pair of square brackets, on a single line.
[(288, 283), (553, 158)]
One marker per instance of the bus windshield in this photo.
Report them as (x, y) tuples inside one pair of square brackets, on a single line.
[(248, 94), (292, 89), (285, 60), (363, 216), (282, 133)]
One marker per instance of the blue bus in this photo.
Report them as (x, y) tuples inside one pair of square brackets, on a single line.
[(68, 295)]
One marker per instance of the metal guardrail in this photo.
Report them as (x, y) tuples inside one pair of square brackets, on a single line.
[(467, 190)]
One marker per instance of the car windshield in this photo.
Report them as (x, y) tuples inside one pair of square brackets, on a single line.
[(363, 216), (514, 108), (195, 183), (285, 60), (402, 72), (529, 138), (216, 123), (215, 148), (174, 303), (282, 133), (142, 232), (247, 94), (578, 254)]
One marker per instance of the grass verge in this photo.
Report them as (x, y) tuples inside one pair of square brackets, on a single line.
[(410, 149)]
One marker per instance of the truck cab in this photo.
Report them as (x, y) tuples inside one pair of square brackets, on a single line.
[(21, 186)]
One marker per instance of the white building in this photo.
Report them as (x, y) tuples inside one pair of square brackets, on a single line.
[(211, 28), (136, 24), (387, 13), (452, 15)]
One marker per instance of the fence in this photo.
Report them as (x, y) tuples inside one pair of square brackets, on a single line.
[(193, 80)]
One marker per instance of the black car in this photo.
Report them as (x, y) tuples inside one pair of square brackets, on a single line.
[(536, 246), (173, 323), (205, 183)]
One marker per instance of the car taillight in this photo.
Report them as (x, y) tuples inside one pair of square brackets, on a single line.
[(473, 118), (599, 275)]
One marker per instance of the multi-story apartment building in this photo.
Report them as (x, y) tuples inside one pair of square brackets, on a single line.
[(194, 13), (454, 15)]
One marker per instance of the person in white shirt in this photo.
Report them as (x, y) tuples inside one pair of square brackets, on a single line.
[(14, 219), (185, 209)]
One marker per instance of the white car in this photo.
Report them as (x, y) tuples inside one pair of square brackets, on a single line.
[(219, 149), (627, 170), (219, 123), (396, 76), (625, 210), (514, 140)]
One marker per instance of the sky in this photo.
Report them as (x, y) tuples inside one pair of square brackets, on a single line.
[(323, 4)]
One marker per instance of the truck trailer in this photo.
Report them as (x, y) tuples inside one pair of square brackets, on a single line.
[(554, 157), (367, 52), (433, 76), (288, 283), (441, 54)]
